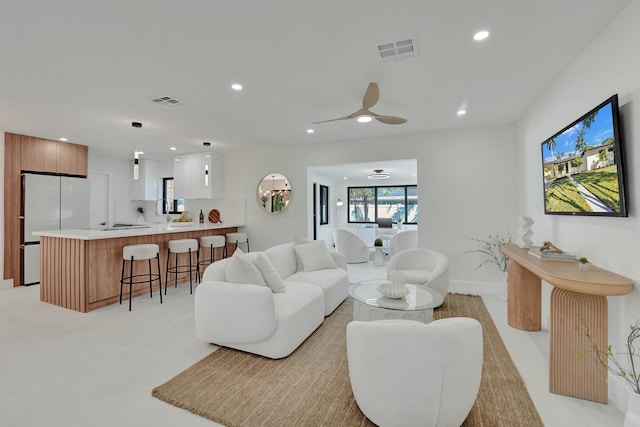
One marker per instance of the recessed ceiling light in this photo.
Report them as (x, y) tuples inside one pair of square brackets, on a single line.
[(172, 148), (310, 131), (176, 160), (236, 86), (365, 118), (481, 35), (462, 112), (345, 177), (63, 139)]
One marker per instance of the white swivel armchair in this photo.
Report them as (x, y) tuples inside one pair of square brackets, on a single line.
[(424, 267), (403, 241), (407, 373), (354, 248)]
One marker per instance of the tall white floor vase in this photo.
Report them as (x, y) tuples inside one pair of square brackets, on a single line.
[(632, 417)]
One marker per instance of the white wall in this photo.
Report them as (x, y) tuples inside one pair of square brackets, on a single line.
[(121, 209), (466, 187), (610, 65)]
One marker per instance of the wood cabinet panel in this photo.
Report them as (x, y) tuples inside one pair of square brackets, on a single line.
[(63, 273), (72, 159), (38, 155), (12, 207)]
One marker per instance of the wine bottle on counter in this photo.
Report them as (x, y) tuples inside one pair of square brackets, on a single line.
[(201, 217)]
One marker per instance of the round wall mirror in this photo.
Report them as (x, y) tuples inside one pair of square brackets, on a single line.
[(274, 193)]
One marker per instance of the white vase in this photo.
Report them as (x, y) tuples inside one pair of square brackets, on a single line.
[(141, 218), (632, 417)]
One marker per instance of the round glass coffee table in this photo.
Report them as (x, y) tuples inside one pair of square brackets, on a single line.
[(369, 304)]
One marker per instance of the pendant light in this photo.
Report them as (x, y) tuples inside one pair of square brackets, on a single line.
[(136, 155), (136, 165), (206, 164)]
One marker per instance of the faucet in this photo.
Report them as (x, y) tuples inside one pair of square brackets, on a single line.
[(165, 207)]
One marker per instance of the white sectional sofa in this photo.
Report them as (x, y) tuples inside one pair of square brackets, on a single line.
[(278, 307)]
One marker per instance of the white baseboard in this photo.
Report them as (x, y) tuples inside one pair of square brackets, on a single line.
[(6, 284), (478, 288)]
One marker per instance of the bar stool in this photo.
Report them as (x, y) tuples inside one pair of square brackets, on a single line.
[(177, 247), (237, 238), (212, 242), (141, 252)]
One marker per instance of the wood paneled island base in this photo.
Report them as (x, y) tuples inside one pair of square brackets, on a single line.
[(577, 295), (84, 274)]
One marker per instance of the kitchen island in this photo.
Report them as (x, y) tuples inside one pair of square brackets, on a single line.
[(80, 269)]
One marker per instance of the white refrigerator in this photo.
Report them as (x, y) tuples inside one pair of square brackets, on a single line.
[(48, 202)]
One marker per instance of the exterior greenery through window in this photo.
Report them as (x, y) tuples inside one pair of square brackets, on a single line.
[(398, 202), (175, 205)]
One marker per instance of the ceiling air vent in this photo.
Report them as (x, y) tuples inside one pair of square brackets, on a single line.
[(167, 101), (398, 50)]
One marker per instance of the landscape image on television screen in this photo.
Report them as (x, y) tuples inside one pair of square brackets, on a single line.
[(581, 176)]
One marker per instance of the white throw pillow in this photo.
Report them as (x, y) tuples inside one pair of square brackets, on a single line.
[(240, 269), (299, 240), (314, 256), (269, 273)]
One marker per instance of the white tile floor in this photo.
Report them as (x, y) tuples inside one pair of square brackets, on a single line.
[(62, 368)]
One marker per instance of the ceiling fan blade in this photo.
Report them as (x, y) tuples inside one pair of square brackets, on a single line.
[(350, 116), (371, 96), (332, 120), (390, 120)]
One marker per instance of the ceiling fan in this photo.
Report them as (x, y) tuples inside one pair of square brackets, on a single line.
[(370, 99)]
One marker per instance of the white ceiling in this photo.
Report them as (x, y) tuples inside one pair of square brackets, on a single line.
[(86, 69)]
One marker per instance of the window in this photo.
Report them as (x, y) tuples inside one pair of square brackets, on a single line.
[(398, 202), (324, 204), (175, 205)]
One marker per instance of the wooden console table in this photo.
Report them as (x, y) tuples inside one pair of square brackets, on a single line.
[(576, 294)]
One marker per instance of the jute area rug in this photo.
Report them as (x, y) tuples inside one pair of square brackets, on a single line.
[(311, 387)]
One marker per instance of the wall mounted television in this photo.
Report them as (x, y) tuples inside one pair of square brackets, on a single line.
[(583, 166)]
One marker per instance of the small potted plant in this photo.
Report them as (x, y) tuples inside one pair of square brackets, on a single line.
[(583, 264), (141, 217), (377, 243)]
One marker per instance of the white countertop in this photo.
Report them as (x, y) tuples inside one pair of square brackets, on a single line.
[(153, 228)]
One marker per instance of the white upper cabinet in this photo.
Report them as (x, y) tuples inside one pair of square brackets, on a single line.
[(148, 186), (199, 176)]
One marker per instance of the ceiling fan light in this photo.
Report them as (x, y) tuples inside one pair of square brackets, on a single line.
[(481, 35), (365, 118), (378, 174)]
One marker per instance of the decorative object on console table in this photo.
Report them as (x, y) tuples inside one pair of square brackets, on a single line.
[(549, 252), (605, 358), (583, 264), (523, 233)]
